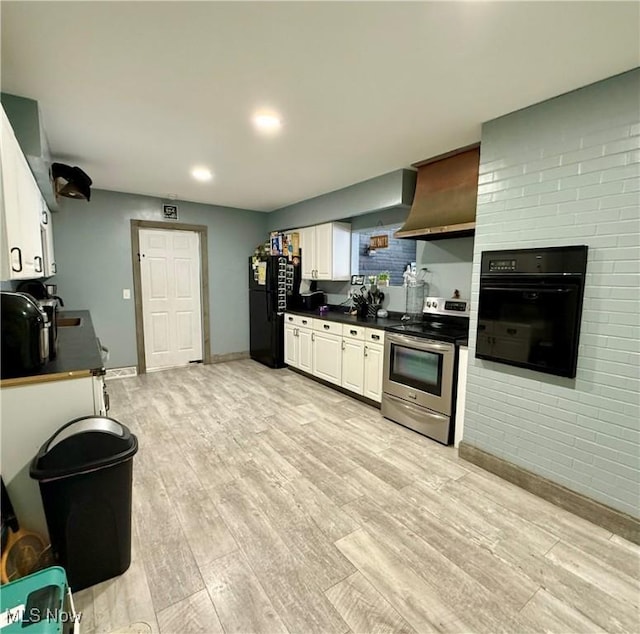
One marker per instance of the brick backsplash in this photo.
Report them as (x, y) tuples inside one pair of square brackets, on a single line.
[(394, 258), (567, 171)]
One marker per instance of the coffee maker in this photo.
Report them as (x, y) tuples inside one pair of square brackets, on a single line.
[(49, 302)]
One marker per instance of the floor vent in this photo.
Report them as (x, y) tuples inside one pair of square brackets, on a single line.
[(121, 373)]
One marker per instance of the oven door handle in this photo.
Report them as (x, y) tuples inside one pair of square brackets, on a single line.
[(420, 344), (529, 289)]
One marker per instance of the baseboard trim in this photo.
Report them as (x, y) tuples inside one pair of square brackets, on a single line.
[(609, 518), (121, 373), (229, 356)]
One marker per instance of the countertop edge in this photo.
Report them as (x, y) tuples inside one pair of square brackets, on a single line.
[(46, 378)]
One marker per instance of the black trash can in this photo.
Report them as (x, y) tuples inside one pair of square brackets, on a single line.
[(85, 474)]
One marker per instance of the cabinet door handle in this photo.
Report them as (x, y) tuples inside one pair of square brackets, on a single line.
[(19, 252), (365, 351), (313, 337), (45, 218), (54, 268), (38, 264), (375, 337), (342, 344)]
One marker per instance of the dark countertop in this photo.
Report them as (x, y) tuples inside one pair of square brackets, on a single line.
[(344, 318), (77, 346), (78, 353), (370, 322)]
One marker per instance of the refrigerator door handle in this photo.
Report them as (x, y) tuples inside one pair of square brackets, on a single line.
[(267, 297)]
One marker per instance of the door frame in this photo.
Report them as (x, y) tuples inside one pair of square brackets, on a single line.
[(201, 230)]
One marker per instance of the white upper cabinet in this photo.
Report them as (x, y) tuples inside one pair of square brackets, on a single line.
[(46, 234), (308, 247), (326, 251), (21, 247)]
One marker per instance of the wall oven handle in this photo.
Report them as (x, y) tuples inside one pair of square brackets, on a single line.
[(529, 289), (421, 344)]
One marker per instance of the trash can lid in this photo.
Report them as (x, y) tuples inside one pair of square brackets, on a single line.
[(84, 444)]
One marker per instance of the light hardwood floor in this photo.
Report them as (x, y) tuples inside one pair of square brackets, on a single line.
[(264, 502)]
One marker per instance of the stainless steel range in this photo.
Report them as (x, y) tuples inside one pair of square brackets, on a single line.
[(420, 368)]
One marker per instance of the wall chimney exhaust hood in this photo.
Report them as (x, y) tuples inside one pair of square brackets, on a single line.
[(444, 205)]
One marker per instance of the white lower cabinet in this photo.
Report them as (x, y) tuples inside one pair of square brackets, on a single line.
[(327, 356), (298, 342), (31, 413), (352, 365), (291, 347), (373, 367), (348, 355), (305, 349)]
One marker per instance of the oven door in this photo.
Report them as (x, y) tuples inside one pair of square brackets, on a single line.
[(419, 371), (530, 323)]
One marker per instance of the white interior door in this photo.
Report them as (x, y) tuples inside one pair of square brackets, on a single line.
[(170, 278)]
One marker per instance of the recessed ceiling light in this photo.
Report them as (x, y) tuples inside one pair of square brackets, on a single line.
[(267, 122), (201, 174)]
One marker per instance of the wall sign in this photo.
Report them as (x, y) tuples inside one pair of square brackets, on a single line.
[(170, 211), (379, 242)]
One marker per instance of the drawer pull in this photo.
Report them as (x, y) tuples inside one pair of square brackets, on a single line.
[(19, 252), (375, 337), (353, 332), (304, 322), (290, 318), (326, 326)]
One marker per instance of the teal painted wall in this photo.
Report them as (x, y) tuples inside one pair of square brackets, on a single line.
[(394, 189), (93, 254)]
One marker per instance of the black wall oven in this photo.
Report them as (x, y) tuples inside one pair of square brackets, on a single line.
[(530, 306)]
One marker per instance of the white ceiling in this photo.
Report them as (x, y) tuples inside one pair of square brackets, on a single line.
[(136, 93)]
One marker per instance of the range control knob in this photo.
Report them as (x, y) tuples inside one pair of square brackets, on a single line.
[(435, 304), (428, 304)]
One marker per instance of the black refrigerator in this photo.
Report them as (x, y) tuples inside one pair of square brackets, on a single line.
[(274, 285)]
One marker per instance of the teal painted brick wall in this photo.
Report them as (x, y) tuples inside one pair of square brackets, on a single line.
[(567, 171)]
